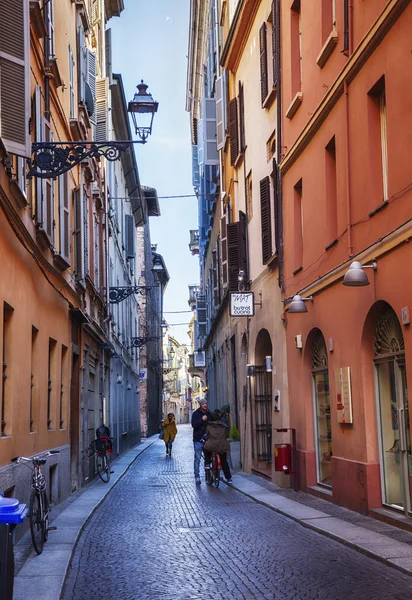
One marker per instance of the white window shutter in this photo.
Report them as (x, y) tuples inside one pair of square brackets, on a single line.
[(211, 156), (102, 90), (200, 148), (108, 54), (81, 61), (78, 233), (201, 314), (130, 235), (38, 138), (220, 114), (64, 218), (223, 251), (15, 77), (91, 79)]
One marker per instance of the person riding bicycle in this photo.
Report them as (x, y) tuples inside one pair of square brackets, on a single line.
[(169, 432), (217, 433), (200, 418)]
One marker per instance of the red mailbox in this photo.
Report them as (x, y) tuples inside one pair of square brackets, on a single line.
[(283, 458)]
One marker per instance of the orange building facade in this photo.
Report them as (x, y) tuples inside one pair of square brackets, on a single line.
[(346, 116)]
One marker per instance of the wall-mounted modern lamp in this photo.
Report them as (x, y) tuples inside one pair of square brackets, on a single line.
[(355, 276), (298, 304)]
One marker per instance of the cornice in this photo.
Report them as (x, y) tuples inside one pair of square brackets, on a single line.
[(239, 30), (366, 47)]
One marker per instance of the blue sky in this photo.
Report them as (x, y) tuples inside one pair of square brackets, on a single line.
[(150, 42)]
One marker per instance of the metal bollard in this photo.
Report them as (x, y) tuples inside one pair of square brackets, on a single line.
[(11, 513)]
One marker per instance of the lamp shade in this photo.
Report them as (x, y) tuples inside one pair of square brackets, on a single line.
[(355, 276), (297, 305), (143, 101)]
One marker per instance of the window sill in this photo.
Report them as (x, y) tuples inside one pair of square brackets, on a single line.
[(58, 82), (273, 261), (294, 105), (239, 160), (327, 49), (268, 101), (18, 193), (298, 270), (61, 263)]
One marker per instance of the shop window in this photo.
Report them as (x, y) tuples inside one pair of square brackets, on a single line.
[(323, 428)]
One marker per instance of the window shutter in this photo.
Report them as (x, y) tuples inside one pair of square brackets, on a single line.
[(64, 210), (223, 252), (233, 243), (263, 63), (102, 129), (108, 53), (242, 139), (91, 79), (78, 234), (130, 235), (243, 259), (200, 149), (48, 192), (38, 138), (274, 45), (201, 314), (220, 112), (265, 220), (233, 131), (215, 279), (96, 252), (211, 155), (15, 77), (81, 61), (86, 265)]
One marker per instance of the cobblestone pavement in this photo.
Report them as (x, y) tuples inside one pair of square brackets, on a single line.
[(158, 536)]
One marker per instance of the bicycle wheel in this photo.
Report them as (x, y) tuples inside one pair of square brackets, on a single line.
[(208, 476), (37, 525), (46, 516), (102, 468), (216, 474)]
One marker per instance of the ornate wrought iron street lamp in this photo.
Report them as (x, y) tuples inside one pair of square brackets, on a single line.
[(137, 342), (120, 293), (51, 159)]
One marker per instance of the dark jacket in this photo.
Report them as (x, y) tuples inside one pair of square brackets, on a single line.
[(217, 434), (199, 425)]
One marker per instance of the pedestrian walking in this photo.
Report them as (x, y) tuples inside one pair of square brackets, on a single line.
[(217, 433), (200, 418), (169, 432)]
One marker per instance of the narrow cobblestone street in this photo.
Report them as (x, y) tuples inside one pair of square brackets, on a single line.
[(158, 536)]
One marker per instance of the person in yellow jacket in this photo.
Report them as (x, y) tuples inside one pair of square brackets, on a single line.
[(169, 432)]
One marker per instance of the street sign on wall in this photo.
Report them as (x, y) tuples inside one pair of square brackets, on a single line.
[(242, 304), (143, 373)]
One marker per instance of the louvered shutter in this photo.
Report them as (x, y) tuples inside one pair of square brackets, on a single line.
[(243, 256), (48, 192), (64, 217), (263, 63), (108, 54), (233, 131), (96, 253), (78, 234), (215, 279), (265, 219), (220, 125), (15, 76), (102, 129), (274, 45), (233, 243), (91, 79), (242, 139), (201, 315), (38, 138), (211, 155), (130, 236), (200, 148), (81, 62), (223, 252), (85, 215)]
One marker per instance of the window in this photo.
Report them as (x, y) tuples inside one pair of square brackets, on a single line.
[(237, 126), (50, 27), (71, 82), (78, 234), (298, 224), (96, 252), (331, 191), (236, 251), (34, 383), (6, 371), (249, 196), (328, 18), (378, 146), (268, 57), (63, 388), (296, 47), (64, 219), (50, 380)]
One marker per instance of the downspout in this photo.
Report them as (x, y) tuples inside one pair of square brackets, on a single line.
[(46, 77), (279, 136)]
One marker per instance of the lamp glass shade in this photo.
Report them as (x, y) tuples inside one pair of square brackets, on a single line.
[(143, 101), (157, 267), (297, 305), (355, 276)]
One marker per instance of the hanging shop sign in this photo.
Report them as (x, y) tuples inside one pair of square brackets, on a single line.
[(242, 304), (143, 374), (343, 395)]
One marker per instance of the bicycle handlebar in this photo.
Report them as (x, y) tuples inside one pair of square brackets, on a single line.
[(24, 459)]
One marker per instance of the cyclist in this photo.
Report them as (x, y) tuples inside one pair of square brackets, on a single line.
[(169, 432), (217, 433), (200, 418)]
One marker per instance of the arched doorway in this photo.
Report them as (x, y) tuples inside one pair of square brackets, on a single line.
[(393, 410), (260, 381), (321, 397)]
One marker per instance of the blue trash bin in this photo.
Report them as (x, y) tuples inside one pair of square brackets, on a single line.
[(11, 514)]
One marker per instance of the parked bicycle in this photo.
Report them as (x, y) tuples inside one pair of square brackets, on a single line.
[(212, 471), (39, 503), (101, 448)]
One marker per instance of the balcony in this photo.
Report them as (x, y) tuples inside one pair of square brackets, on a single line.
[(114, 8), (194, 290), (194, 242)]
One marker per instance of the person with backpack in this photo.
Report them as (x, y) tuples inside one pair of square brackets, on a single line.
[(169, 432), (200, 418), (217, 433)]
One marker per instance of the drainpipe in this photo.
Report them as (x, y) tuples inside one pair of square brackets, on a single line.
[(279, 143), (347, 165), (46, 77)]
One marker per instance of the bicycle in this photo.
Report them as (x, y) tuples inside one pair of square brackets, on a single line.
[(39, 507), (212, 474), (101, 448)]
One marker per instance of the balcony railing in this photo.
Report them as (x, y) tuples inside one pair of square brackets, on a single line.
[(194, 241), (194, 290)]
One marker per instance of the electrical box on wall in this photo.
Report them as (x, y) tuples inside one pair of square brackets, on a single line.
[(268, 364), (299, 341), (276, 401)]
